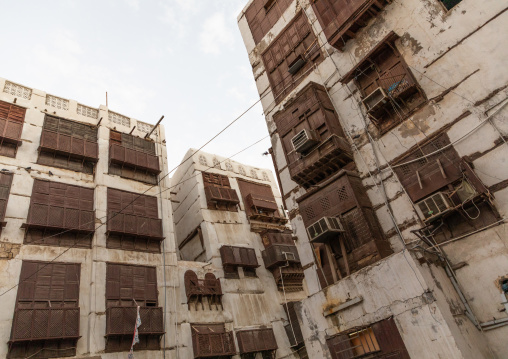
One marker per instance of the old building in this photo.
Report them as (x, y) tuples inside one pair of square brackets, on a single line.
[(237, 260), (87, 231), (389, 124), (93, 227)]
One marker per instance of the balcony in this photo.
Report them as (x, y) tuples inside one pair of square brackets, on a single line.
[(134, 159), (290, 277), (121, 321), (54, 217), (210, 286), (208, 345), (10, 131), (69, 145), (328, 157), (258, 340), (238, 257), (45, 324), (134, 226), (280, 254), (221, 195), (342, 19)]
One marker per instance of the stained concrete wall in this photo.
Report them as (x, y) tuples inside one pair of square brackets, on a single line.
[(93, 261), (457, 58)]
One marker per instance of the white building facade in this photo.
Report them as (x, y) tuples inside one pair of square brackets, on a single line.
[(388, 126)]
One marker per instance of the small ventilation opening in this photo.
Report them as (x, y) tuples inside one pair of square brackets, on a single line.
[(504, 286), (296, 65)]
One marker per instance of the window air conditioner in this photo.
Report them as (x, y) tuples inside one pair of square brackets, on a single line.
[(323, 229), (304, 140), (375, 100), (433, 207)]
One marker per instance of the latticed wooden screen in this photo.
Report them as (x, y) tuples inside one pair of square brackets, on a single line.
[(56, 205), (12, 118), (47, 309), (261, 15)]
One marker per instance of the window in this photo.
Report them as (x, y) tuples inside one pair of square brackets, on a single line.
[(341, 19), (293, 328), (47, 306), (133, 222), (262, 15), (290, 56), (388, 89), (323, 139), (449, 198), (219, 194), (129, 286), (133, 157), (212, 340), (234, 257), (380, 340), (255, 341), (5, 189), (12, 118), (68, 144), (450, 3), (259, 202), (55, 207), (343, 228)]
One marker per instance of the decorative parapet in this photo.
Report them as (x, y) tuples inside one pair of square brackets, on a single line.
[(18, 90), (144, 127), (119, 119), (87, 111), (57, 102)]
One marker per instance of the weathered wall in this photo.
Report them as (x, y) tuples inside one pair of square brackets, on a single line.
[(93, 261), (456, 57)]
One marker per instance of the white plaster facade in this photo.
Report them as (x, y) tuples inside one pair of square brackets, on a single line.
[(457, 58), (93, 261)]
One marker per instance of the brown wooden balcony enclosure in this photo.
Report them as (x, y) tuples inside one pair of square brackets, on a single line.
[(212, 345), (289, 279), (12, 118), (132, 158), (221, 195), (312, 137), (66, 144), (341, 19), (280, 254), (45, 216), (194, 287), (238, 257), (45, 324), (257, 340), (121, 320), (134, 225)]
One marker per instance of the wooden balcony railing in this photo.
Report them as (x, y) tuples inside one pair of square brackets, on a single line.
[(133, 225), (134, 159), (121, 321), (207, 345), (56, 217), (45, 324), (66, 144)]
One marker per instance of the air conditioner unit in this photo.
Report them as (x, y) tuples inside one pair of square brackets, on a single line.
[(323, 229), (304, 140), (433, 207), (377, 99)]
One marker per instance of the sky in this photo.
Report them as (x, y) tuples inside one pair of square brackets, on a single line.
[(184, 59)]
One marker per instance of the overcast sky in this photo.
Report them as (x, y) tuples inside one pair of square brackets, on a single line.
[(183, 59)]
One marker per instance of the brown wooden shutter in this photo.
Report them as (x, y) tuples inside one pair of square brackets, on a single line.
[(262, 15), (42, 282), (340, 347), (389, 339), (5, 189), (126, 283), (256, 189), (132, 203)]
